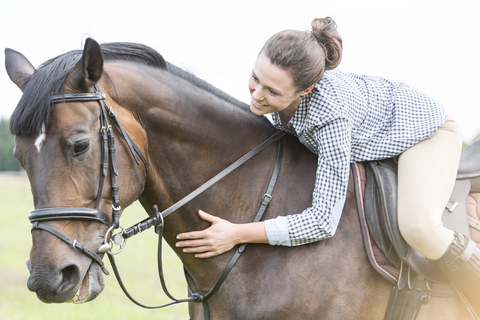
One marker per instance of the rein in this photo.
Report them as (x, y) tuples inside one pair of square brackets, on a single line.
[(38, 216)]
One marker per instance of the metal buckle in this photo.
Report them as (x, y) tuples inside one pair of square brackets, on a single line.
[(266, 195), (451, 207)]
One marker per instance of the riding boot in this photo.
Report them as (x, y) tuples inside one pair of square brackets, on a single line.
[(461, 265)]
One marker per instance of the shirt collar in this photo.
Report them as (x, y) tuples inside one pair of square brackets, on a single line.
[(298, 117)]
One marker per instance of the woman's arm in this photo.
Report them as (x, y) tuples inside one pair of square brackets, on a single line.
[(313, 224), (220, 237)]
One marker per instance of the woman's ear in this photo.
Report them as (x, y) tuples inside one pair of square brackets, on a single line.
[(306, 91)]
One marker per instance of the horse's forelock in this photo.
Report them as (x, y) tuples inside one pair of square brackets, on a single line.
[(34, 108)]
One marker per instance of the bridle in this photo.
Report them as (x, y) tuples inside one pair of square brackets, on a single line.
[(38, 216), (108, 153)]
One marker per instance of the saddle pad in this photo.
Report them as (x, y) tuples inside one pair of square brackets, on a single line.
[(376, 257)]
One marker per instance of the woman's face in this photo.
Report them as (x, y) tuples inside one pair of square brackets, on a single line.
[(272, 88)]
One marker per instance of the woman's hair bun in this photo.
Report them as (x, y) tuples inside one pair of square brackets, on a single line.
[(330, 40)]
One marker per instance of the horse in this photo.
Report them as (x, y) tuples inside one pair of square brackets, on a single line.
[(188, 131)]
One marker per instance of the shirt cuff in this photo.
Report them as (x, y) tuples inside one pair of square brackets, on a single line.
[(277, 232), (337, 213)]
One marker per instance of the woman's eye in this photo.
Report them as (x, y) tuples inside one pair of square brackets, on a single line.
[(273, 93), (254, 78), (81, 147)]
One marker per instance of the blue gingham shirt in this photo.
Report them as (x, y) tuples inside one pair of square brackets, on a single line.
[(349, 118)]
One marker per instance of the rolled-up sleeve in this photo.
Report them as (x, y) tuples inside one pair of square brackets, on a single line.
[(277, 232)]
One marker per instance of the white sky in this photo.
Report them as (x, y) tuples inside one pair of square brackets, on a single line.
[(433, 45)]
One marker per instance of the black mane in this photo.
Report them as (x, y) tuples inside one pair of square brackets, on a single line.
[(34, 107)]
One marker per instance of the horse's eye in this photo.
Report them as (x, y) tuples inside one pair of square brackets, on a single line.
[(81, 147)]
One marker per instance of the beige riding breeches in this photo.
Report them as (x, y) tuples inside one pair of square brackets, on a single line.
[(426, 176)]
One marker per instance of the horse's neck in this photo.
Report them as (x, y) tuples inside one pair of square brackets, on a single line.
[(191, 139), (192, 135), (197, 134)]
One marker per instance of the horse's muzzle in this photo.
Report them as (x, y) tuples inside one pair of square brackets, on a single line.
[(66, 284), (54, 285)]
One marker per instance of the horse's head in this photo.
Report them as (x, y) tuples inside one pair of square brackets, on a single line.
[(59, 144)]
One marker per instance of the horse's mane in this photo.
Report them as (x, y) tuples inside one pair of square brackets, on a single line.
[(34, 107)]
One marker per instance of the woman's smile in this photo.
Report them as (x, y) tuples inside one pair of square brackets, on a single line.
[(259, 105)]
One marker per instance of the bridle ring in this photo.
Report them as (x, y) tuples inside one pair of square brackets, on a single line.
[(114, 240)]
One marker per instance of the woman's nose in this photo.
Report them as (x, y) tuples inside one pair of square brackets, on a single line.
[(256, 93)]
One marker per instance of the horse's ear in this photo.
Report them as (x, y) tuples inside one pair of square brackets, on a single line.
[(89, 69), (18, 67)]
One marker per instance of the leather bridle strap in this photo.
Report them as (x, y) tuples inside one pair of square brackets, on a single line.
[(148, 222), (77, 97), (278, 135), (68, 213), (99, 96), (74, 243)]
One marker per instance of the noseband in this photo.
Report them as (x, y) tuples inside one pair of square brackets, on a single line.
[(108, 153)]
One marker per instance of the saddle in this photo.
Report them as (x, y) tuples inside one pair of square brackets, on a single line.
[(414, 278)]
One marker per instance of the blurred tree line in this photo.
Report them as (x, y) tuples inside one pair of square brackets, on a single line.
[(7, 160)]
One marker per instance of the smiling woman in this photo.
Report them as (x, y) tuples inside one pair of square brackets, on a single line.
[(288, 66), (272, 89)]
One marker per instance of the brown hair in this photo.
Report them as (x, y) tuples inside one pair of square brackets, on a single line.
[(306, 55)]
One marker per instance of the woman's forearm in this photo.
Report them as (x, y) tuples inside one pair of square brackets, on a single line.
[(253, 232), (220, 237)]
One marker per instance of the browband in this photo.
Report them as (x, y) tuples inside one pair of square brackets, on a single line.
[(67, 213), (77, 97)]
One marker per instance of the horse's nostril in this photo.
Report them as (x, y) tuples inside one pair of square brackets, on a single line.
[(69, 276)]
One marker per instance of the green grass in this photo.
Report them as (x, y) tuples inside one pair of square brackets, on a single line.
[(137, 264)]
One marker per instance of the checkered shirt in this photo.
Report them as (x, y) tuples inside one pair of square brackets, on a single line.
[(349, 118)]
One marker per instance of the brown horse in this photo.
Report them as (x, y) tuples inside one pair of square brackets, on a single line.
[(188, 132)]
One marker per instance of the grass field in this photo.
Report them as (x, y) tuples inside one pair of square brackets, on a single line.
[(137, 264)]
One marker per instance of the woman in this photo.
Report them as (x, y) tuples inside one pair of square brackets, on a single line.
[(346, 118)]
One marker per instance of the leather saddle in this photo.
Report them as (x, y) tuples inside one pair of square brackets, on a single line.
[(408, 268)]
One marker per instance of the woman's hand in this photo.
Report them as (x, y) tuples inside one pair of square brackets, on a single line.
[(220, 237), (217, 239)]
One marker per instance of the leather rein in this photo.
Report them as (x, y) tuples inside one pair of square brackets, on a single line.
[(95, 214)]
